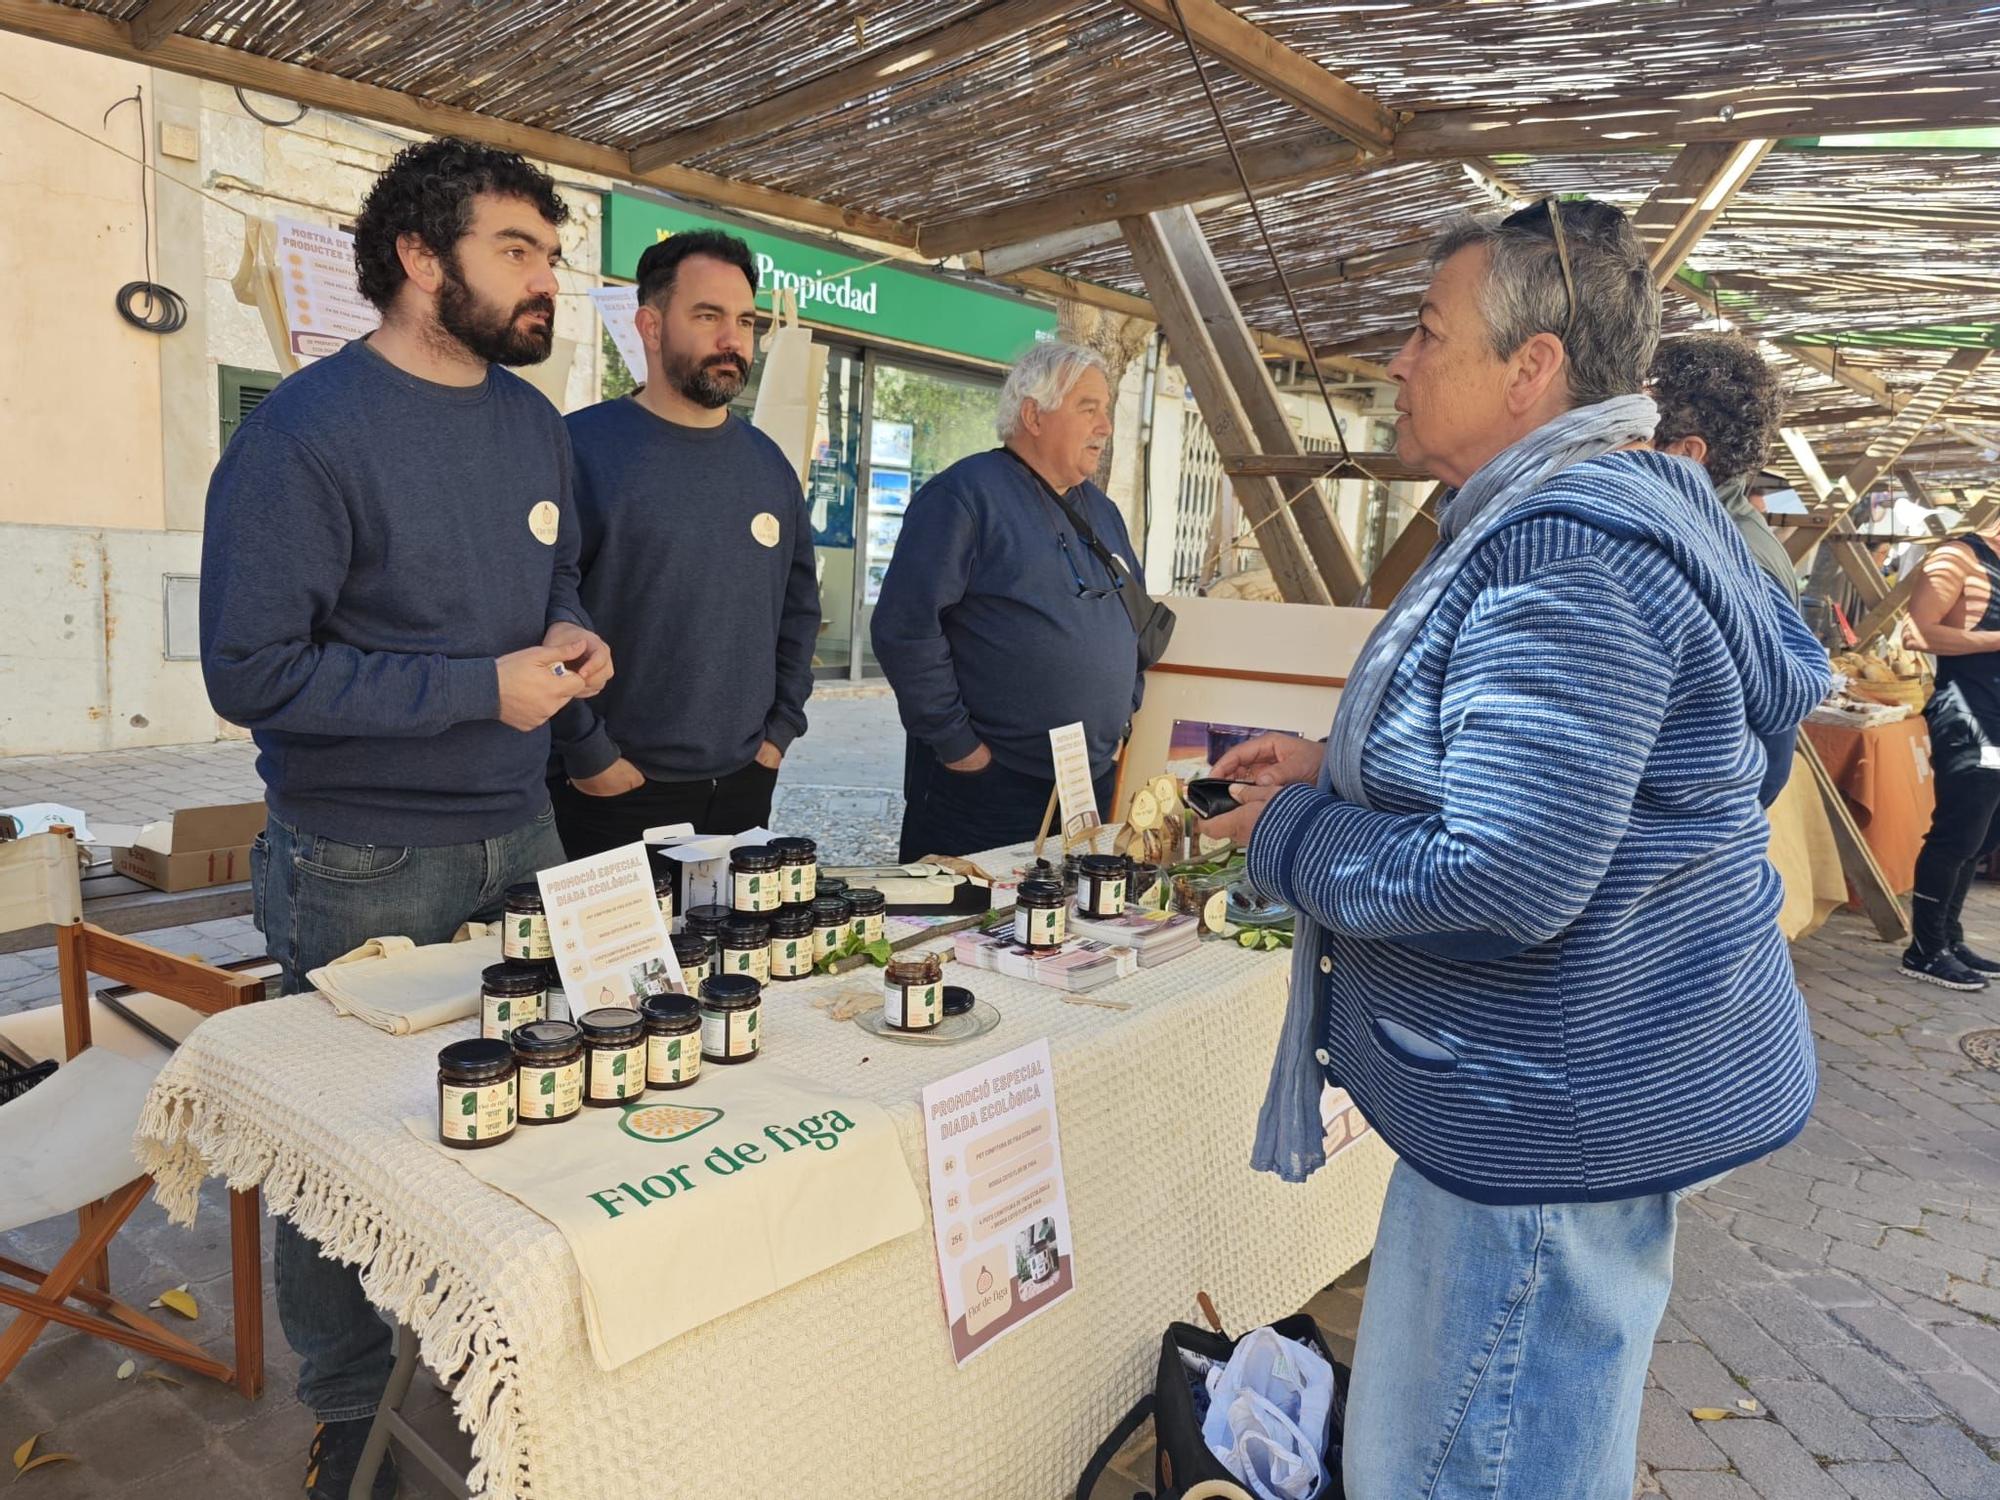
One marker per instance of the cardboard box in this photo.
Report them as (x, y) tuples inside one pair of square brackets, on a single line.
[(701, 862), (198, 846)]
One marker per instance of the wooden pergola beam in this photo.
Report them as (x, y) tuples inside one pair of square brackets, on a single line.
[(1911, 421), (1733, 114), (1276, 164), (1253, 52), (49, 22), (1346, 268), (1704, 179), (160, 20), (880, 68)]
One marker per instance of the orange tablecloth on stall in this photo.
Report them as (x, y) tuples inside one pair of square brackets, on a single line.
[(1884, 772)]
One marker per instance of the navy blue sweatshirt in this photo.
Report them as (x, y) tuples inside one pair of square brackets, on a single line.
[(374, 541), (698, 570), (981, 628)]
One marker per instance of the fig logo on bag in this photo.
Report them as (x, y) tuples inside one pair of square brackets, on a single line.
[(663, 1124)]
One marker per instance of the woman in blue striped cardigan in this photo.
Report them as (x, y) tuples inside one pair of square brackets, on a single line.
[(1537, 928)]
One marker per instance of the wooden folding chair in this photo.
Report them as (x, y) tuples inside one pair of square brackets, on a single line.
[(66, 1144)]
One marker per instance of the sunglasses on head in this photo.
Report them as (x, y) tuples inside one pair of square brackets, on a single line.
[(1549, 211)]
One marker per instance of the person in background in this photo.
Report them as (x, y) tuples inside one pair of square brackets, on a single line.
[(1720, 405), (1537, 937), (999, 619), (1955, 615), (697, 566), (389, 605)]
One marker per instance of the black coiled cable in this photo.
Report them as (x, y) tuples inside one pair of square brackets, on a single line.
[(165, 310)]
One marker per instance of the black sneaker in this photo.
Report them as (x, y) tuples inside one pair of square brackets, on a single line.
[(1941, 969), (335, 1455), (1973, 961)]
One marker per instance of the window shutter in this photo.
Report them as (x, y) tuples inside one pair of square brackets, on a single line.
[(241, 391)]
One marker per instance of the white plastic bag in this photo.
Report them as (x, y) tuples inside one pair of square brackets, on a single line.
[(788, 391), (1267, 1416)]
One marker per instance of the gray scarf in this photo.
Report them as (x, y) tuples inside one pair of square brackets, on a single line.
[(1289, 1138)]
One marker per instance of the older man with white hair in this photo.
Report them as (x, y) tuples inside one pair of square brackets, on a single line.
[(1002, 614)]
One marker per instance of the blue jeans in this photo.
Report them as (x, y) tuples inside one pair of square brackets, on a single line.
[(967, 812), (315, 898), (1503, 1350)]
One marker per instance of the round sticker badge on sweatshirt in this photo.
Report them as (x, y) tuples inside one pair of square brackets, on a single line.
[(764, 527), (544, 521)]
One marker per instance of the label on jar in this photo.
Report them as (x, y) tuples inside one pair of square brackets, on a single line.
[(761, 890), (692, 977), (1106, 897), (667, 909), (912, 1007), (871, 927), (828, 941), (755, 962), (484, 1112), (500, 1014), (729, 1033), (673, 1059), (551, 1093), (618, 1073), (1039, 926), (805, 880), (525, 935), (791, 957)]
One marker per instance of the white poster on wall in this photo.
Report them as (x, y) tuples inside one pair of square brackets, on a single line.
[(324, 307), (617, 305)]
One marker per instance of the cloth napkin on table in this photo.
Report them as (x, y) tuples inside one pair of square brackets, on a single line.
[(398, 987)]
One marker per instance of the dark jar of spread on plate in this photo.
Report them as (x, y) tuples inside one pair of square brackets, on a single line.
[(475, 1093), (1041, 914), (731, 1016), (792, 943), (756, 879), (548, 1058), (800, 868), (913, 992), (673, 1041), (524, 931), (614, 1055), (510, 993)]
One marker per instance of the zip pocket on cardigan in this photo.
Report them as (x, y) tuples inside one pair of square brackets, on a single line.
[(1412, 1048)]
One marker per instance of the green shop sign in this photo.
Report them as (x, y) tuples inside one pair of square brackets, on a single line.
[(910, 307)]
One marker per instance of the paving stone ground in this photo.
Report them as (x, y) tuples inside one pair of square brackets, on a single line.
[(1848, 1287)]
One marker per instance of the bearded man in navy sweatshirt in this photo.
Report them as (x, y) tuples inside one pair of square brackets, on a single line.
[(697, 565), (389, 605)]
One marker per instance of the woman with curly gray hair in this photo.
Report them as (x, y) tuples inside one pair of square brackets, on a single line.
[(1720, 406)]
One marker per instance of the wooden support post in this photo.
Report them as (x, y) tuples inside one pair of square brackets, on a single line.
[(1886, 610), (1703, 180), (1228, 335), (1187, 329), (1856, 858)]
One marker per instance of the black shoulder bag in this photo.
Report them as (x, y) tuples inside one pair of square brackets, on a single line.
[(1151, 619)]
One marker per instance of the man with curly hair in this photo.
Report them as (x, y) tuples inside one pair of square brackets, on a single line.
[(1720, 406), (389, 605)]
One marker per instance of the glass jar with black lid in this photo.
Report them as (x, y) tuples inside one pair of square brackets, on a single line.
[(830, 918), (673, 1041), (475, 1093), (870, 910), (549, 1058), (756, 879), (524, 930), (1100, 886), (614, 1055), (746, 948), (800, 869), (791, 944), (696, 956), (731, 1010), (1041, 914), (510, 993)]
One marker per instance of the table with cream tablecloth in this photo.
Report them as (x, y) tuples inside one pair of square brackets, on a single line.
[(841, 1385)]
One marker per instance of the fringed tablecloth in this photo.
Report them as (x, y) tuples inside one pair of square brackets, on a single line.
[(843, 1385)]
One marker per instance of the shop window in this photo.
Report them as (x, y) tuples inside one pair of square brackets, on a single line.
[(241, 391)]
